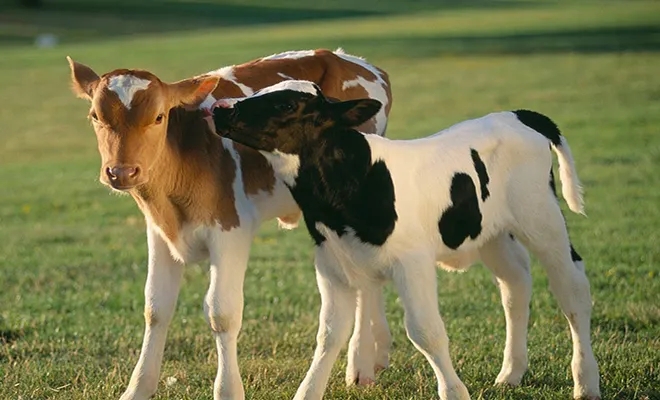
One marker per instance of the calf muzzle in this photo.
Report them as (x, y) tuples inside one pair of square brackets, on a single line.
[(123, 177)]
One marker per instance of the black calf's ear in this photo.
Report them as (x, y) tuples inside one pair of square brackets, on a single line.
[(352, 113)]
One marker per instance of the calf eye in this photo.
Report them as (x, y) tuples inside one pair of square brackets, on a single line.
[(285, 107), (159, 118), (93, 116)]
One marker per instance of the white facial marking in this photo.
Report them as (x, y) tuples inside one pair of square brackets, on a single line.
[(290, 55), (285, 165), (126, 86), (295, 85)]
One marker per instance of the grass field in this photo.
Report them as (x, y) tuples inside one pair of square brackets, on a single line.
[(73, 257)]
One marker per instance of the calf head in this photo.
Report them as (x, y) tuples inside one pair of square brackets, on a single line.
[(130, 114), (284, 119)]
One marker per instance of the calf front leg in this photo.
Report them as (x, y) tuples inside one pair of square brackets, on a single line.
[(223, 306), (336, 317), (160, 294)]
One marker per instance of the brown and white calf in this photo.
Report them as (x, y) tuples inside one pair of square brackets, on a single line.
[(204, 196)]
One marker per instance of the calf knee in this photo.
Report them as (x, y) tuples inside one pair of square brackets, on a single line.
[(153, 316), (334, 334), (431, 339), (222, 321)]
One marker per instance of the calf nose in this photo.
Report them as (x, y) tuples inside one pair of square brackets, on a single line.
[(123, 176)]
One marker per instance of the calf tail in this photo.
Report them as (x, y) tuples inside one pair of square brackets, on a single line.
[(571, 189)]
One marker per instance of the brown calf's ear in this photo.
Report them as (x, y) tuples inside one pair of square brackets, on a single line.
[(190, 93), (83, 79), (352, 113)]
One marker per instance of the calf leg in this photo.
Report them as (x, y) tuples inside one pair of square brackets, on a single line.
[(361, 348), (337, 304), (223, 306), (380, 330), (160, 294), (509, 262), (415, 280), (369, 347), (544, 232)]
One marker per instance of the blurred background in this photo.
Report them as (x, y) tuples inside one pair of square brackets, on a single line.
[(73, 257)]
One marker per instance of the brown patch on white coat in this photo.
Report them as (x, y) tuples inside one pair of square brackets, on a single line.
[(339, 75)]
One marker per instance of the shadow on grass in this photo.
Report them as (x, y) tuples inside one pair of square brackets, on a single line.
[(80, 20), (626, 324), (8, 336), (598, 40)]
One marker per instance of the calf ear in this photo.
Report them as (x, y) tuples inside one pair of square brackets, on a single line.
[(190, 93), (352, 113), (83, 79)]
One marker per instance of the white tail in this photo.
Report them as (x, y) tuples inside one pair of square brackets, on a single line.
[(570, 183)]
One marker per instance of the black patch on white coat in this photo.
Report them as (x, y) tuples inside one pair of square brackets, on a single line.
[(480, 167), (541, 124), (574, 255), (462, 219), (553, 186), (338, 186)]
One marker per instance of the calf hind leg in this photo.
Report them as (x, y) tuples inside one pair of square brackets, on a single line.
[(381, 330), (369, 347), (509, 262), (546, 236), (362, 346)]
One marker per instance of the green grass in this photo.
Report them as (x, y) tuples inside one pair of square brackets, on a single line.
[(72, 257)]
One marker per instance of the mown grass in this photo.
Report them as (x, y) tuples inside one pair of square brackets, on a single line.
[(72, 257)]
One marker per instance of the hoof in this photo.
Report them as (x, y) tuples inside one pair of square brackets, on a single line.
[(505, 385), (378, 368), (360, 380), (510, 378), (364, 381)]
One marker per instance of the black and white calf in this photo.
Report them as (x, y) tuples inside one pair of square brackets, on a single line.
[(385, 209)]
